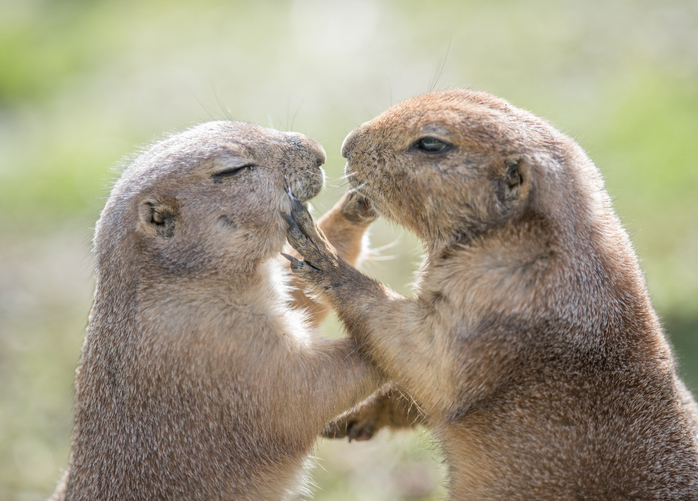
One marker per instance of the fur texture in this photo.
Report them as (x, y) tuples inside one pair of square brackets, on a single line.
[(197, 379), (532, 346)]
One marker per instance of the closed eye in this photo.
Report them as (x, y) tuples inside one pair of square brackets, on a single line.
[(431, 145), (232, 171)]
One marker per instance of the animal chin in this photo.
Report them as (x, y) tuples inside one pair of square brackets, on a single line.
[(305, 191), (362, 188), (349, 173), (306, 187)]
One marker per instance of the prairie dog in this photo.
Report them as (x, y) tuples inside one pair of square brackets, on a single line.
[(532, 346), (197, 379)]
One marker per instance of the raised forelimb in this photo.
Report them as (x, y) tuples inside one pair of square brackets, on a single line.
[(389, 407), (395, 332), (344, 226), (329, 378)]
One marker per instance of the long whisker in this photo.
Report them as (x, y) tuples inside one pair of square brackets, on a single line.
[(287, 186), (392, 257), (356, 189), (374, 254), (341, 184), (368, 177), (347, 176), (440, 68), (226, 111), (396, 241)]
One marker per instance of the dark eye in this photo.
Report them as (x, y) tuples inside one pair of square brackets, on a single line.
[(431, 145), (232, 171)]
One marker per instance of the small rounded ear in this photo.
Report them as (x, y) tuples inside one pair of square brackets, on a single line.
[(159, 215), (513, 175), (514, 182)]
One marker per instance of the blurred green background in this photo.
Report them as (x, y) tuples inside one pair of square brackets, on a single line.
[(85, 83)]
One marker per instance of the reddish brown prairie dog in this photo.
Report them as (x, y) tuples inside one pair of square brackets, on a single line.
[(532, 346), (197, 379)]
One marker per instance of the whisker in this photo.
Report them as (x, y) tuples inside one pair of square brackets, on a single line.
[(397, 241), (287, 186), (440, 68), (356, 190), (369, 176), (293, 120), (371, 257), (340, 185), (208, 112), (374, 254), (226, 111), (347, 176)]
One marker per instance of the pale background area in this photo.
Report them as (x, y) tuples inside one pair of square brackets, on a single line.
[(84, 84)]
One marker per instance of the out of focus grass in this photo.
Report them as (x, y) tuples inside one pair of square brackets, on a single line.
[(83, 84)]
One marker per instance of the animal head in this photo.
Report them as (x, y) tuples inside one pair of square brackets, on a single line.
[(209, 200), (449, 165)]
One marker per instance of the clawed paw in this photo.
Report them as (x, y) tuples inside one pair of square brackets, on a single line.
[(304, 236), (298, 266), (353, 429), (358, 209), (298, 239)]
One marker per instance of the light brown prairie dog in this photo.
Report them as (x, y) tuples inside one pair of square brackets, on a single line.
[(197, 380), (532, 346)]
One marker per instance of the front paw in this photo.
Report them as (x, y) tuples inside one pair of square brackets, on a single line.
[(350, 425), (319, 257), (357, 209)]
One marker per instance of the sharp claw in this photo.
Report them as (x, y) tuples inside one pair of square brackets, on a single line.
[(294, 228), (289, 219), (293, 260), (297, 265), (299, 208), (360, 434), (293, 197), (305, 263)]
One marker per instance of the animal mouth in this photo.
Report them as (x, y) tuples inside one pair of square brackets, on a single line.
[(306, 184), (356, 184), (369, 199), (365, 207)]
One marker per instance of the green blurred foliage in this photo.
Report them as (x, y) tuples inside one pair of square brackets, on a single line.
[(85, 84)]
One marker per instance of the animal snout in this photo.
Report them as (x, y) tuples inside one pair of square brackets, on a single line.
[(351, 141), (304, 176), (319, 153), (310, 147), (305, 184), (348, 143)]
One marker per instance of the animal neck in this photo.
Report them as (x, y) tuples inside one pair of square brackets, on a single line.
[(533, 264), (143, 291)]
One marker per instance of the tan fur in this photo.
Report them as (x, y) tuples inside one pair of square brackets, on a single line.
[(388, 407), (197, 379), (532, 346), (344, 225)]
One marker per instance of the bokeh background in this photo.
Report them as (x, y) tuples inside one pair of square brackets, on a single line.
[(85, 83)]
